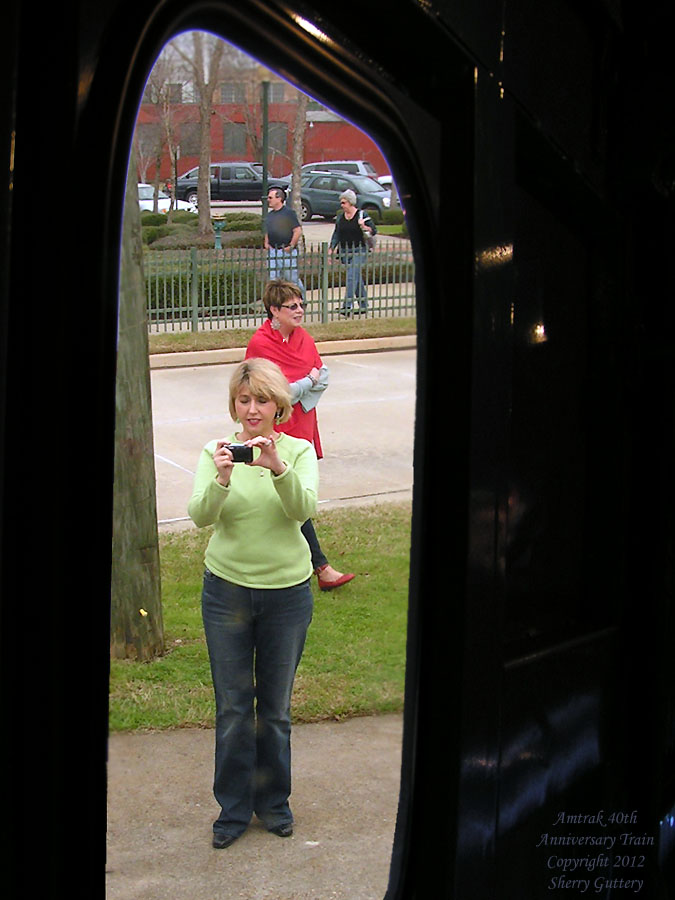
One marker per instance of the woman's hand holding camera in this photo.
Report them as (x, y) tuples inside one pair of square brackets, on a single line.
[(224, 462), (268, 458)]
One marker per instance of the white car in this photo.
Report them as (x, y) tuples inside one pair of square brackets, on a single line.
[(146, 193)]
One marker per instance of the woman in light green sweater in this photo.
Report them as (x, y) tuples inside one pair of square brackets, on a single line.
[(256, 598)]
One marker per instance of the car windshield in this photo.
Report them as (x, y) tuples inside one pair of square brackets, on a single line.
[(366, 185), (146, 192)]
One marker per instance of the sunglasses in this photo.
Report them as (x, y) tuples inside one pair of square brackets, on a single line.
[(293, 306)]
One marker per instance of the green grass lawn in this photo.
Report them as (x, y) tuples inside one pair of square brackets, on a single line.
[(354, 660), (227, 338)]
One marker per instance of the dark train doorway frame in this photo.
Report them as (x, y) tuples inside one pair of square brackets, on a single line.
[(408, 130)]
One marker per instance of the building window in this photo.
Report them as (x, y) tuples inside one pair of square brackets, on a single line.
[(149, 94), (277, 92), (175, 92), (189, 139), (278, 138), (149, 137), (155, 94), (234, 139), (232, 92)]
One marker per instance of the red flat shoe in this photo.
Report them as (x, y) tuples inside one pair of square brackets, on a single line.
[(329, 585)]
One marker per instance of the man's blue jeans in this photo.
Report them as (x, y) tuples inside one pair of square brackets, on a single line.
[(284, 264), (255, 640)]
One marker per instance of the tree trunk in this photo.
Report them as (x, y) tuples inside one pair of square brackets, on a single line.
[(204, 182), (155, 183), (206, 75), (298, 152), (136, 629)]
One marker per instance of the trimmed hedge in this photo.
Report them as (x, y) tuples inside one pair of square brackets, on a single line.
[(150, 218), (152, 233), (234, 290), (230, 291), (179, 217), (393, 217), (242, 221)]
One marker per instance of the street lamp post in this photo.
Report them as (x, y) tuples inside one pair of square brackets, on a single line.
[(265, 86)]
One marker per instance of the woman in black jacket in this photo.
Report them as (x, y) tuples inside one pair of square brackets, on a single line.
[(353, 228)]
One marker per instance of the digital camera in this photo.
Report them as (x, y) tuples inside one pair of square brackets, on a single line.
[(241, 453)]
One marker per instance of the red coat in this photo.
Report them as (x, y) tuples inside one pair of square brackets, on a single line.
[(295, 357)]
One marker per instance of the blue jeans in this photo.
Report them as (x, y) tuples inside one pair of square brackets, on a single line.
[(255, 640), (284, 264), (310, 535), (355, 259)]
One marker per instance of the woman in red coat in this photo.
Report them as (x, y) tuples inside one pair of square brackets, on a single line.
[(284, 341)]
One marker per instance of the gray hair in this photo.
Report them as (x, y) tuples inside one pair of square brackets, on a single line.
[(349, 196)]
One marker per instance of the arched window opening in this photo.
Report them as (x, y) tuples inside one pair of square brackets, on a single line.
[(205, 265)]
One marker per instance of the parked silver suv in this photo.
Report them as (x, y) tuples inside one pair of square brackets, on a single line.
[(350, 166)]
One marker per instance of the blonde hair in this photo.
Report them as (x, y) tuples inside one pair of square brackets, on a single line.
[(266, 381), (278, 292)]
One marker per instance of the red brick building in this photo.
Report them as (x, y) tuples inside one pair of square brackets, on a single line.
[(236, 129)]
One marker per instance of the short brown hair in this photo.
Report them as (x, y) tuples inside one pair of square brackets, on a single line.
[(278, 292), (265, 380)]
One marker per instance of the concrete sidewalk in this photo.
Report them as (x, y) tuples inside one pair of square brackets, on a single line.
[(366, 419), (345, 796), (189, 358)]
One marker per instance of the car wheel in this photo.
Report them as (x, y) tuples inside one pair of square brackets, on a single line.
[(305, 211), (191, 197)]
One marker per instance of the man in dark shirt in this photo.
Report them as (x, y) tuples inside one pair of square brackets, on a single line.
[(282, 233)]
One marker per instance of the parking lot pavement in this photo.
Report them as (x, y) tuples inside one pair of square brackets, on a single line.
[(317, 229), (366, 421)]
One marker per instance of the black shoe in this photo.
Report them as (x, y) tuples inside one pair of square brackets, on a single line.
[(285, 830), (221, 841), (345, 311)]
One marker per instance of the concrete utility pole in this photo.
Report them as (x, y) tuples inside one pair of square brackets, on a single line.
[(136, 627)]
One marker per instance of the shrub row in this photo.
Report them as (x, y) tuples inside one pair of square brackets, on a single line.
[(393, 217), (180, 233), (231, 290), (238, 289)]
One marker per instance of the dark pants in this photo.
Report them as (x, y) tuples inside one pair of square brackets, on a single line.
[(255, 640), (318, 558)]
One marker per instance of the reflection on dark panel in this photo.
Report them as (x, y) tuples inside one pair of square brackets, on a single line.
[(555, 60), (477, 22), (564, 820), (566, 530), (545, 543)]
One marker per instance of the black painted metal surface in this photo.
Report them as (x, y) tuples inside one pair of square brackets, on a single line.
[(533, 146)]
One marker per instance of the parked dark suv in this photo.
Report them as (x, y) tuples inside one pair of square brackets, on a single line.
[(229, 181)]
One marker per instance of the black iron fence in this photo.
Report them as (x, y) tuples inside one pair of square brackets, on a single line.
[(207, 289)]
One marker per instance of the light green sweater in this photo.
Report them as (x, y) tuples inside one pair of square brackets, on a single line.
[(257, 540)]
